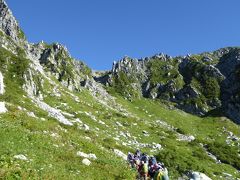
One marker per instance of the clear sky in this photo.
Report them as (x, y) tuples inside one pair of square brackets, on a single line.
[(101, 31)]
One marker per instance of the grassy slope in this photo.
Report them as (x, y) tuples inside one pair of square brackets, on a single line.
[(182, 156), (52, 147)]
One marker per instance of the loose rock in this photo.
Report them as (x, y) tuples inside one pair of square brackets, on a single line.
[(89, 156), (3, 108), (86, 162), (120, 154), (21, 157)]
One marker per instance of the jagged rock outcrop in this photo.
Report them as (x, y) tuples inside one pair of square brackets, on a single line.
[(229, 66), (8, 23), (57, 61), (47, 59), (195, 83), (42, 63)]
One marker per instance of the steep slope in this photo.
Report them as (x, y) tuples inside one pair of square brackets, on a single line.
[(58, 123), (35, 79), (9, 25), (198, 84)]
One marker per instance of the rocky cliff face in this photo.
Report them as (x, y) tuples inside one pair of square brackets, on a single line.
[(199, 84), (33, 68), (229, 65), (45, 60), (8, 23)]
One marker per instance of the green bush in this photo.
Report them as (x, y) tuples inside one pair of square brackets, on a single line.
[(159, 73), (227, 154), (122, 84), (21, 34), (211, 88)]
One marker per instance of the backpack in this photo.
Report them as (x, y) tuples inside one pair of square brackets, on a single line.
[(145, 168), (164, 174), (159, 175)]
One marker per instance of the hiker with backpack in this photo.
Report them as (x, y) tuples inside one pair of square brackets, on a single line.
[(144, 157), (161, 174), (130, 159), (143, 170), (147, 167), (153, 168)]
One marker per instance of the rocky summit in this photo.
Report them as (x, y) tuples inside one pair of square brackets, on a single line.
[(200, 84), (61, 120)]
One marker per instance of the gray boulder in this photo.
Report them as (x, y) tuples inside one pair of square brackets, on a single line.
[(198, 176)]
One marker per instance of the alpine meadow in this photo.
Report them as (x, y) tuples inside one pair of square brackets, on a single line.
[(59, 119)]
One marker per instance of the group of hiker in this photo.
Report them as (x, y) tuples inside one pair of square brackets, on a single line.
[(147, 167)]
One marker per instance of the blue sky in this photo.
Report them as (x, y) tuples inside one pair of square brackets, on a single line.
[(101, 31)]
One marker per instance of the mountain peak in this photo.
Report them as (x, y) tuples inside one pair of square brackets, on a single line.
[(8, 23)]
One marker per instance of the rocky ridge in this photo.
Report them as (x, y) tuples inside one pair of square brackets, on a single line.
[(8, 23), (198, 84)]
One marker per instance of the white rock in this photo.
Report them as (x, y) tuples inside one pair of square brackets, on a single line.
[(3, 108), (120, 154), (86, 162), (226, 174), (182, 137), (42, 119), (68, 114), (77, 121), (119, 124), (89, 156), (97, 128), (116, 138), (20, 108), (31, 114), (128, 134), (87, 138), (101, 122), (144, 132), (92, 156), (1, 84), (199, 176), (54, 135), (122, 134), (86, 127), (21, 157), (124, 144), (91, 116), (157, 146), (55, 113), (77, 100)]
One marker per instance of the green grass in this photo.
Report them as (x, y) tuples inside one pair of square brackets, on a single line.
[(187, 156), (21, 34), (52, 147), (162, 72)]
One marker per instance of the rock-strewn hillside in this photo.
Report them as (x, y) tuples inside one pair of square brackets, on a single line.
[(200, 84), (58, 122)]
